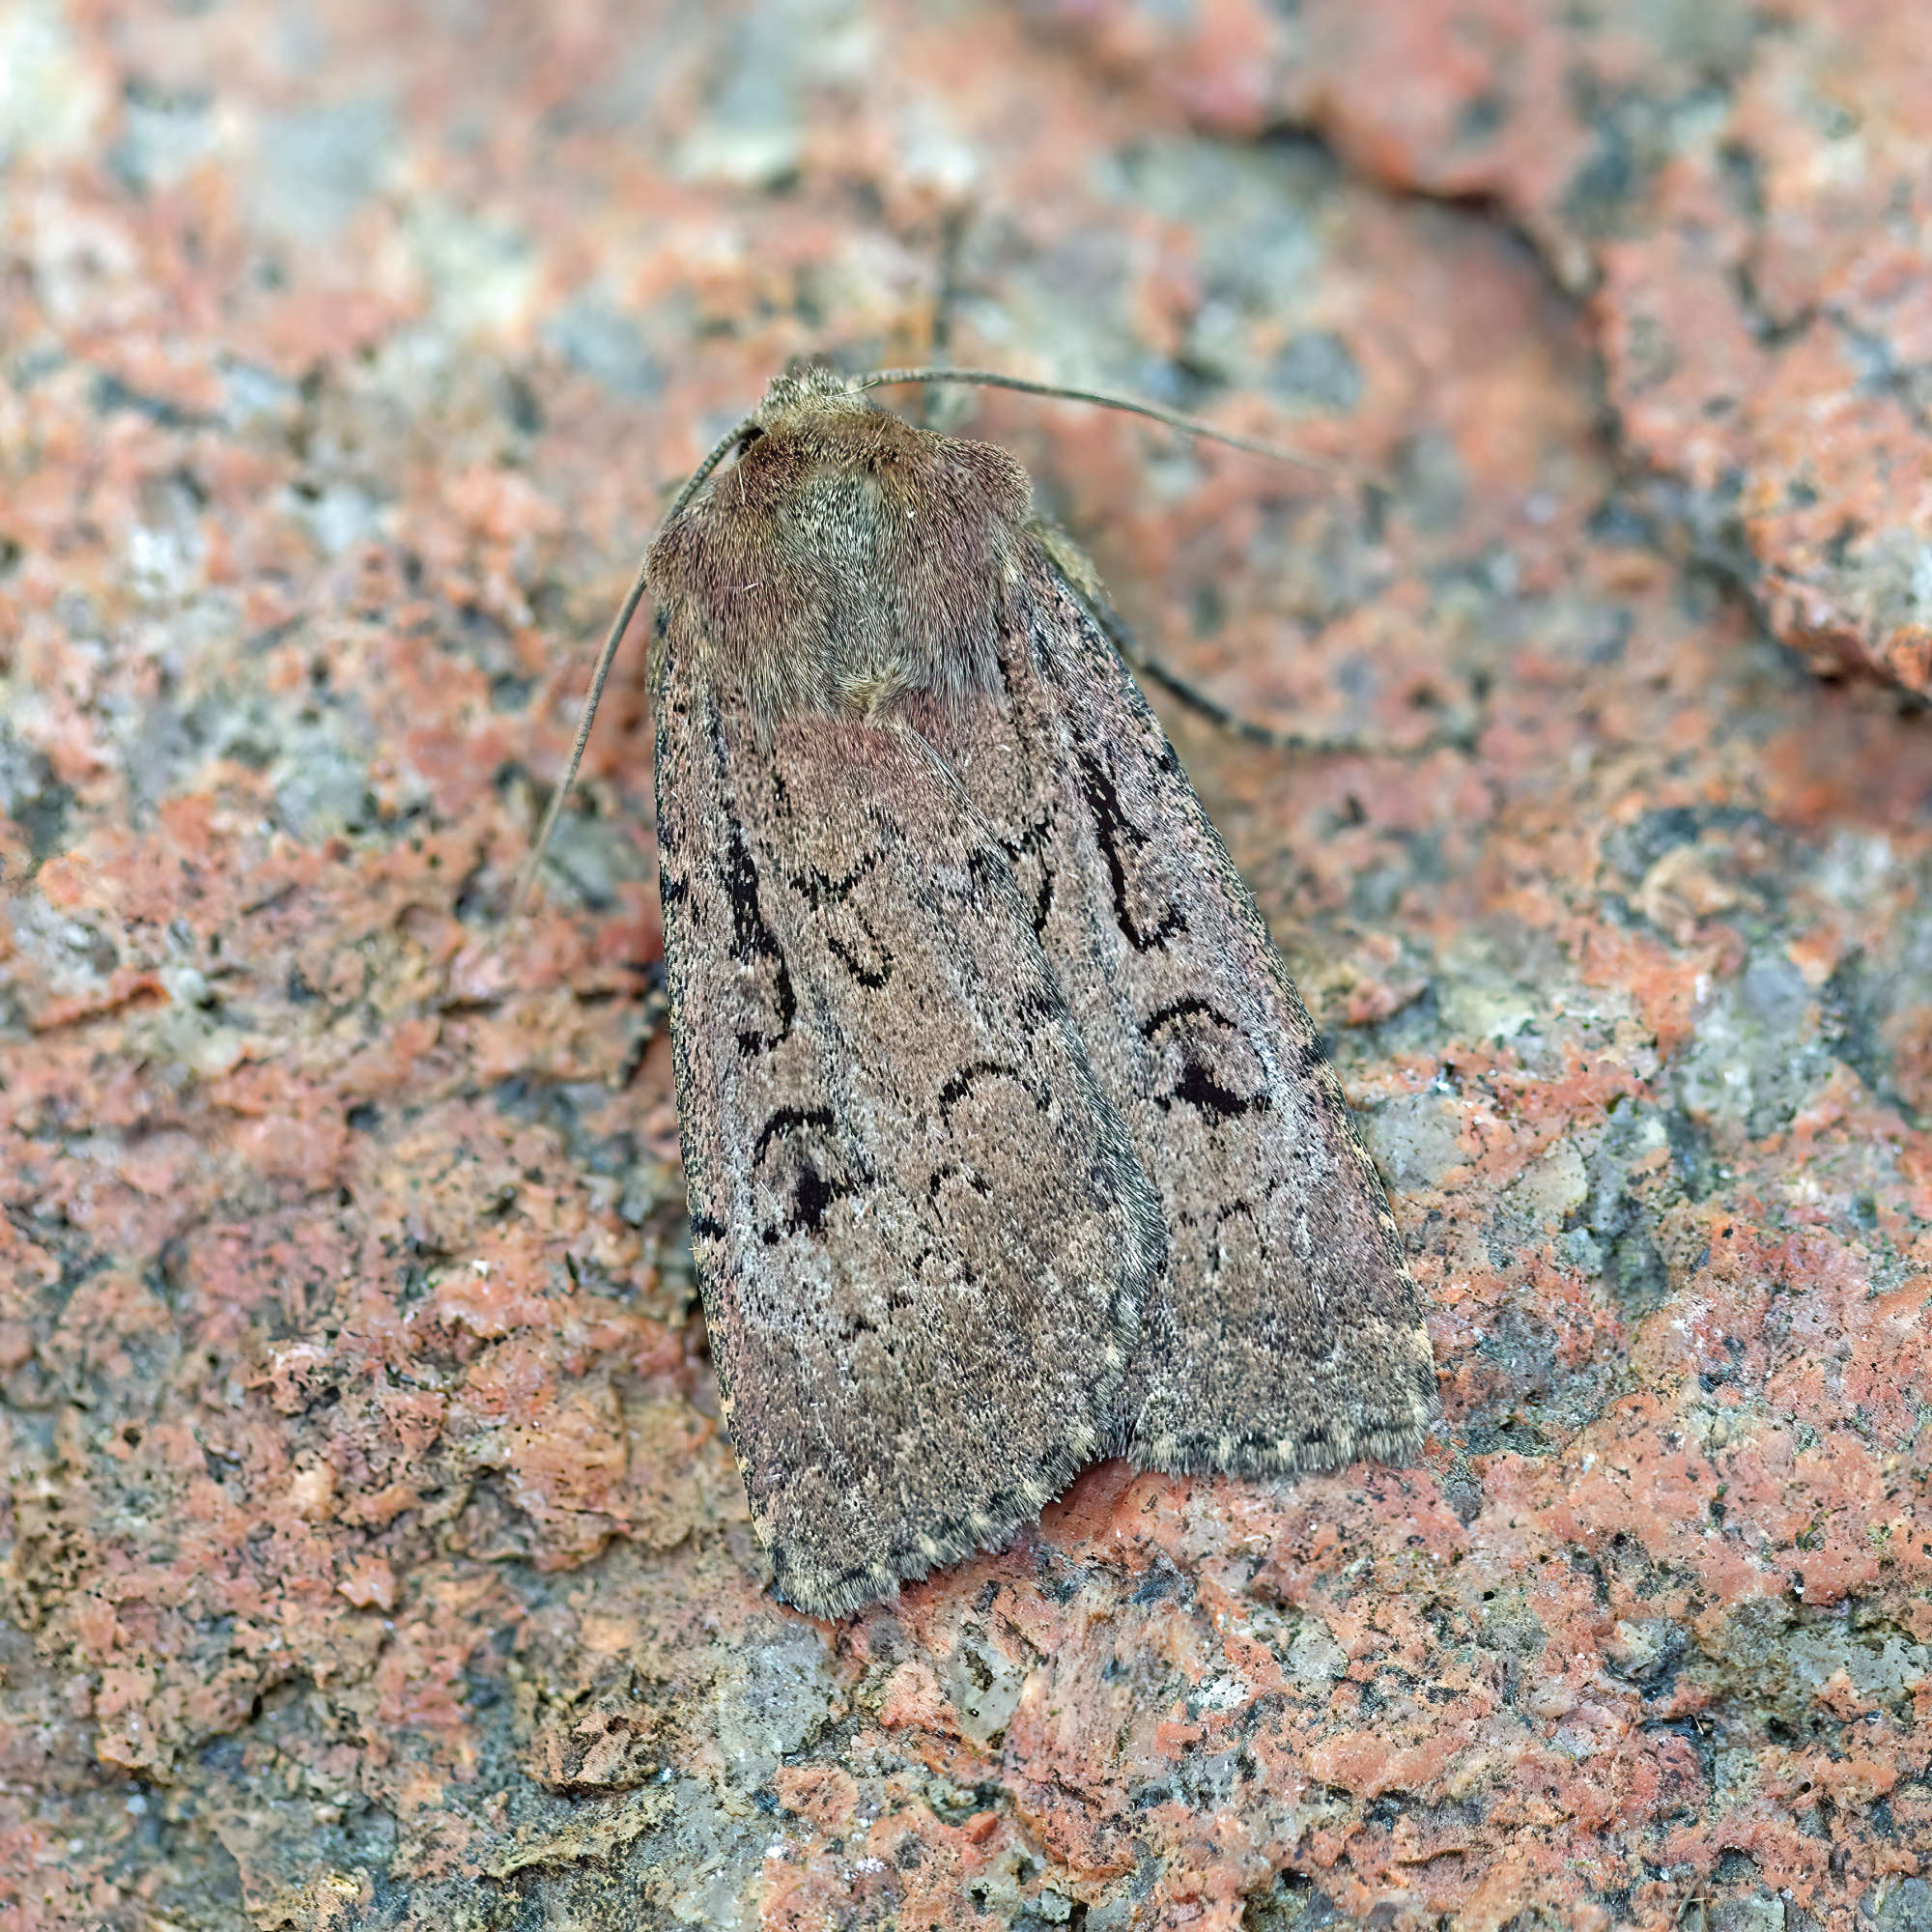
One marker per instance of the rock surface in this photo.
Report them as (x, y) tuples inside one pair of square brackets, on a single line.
[(373, 1556)]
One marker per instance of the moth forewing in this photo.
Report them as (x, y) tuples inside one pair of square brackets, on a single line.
[(922, 1234), (1287, 1332)]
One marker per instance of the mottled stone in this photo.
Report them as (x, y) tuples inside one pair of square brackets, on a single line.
[(1739, 191), (372, 1553)]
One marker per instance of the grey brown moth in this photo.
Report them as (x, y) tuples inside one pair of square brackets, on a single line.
[(1008, 1142)]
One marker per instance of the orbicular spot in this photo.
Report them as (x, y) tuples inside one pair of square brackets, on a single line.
[(1003, 1177), (1234, 1242), (839, 905), (1030, 856), (1205, 1062)]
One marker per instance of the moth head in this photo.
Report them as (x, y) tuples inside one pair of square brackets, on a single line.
[(804, 391)]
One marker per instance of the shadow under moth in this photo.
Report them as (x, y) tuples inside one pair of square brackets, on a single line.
[(1009, 1141)]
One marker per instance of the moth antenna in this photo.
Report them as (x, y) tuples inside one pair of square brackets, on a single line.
[(992, 379), (604, 658), (1235, 725), (561, 795), (1217, 714), (723, 448)]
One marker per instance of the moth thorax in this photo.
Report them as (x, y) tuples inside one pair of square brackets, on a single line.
[(848, 561), (907, 578)]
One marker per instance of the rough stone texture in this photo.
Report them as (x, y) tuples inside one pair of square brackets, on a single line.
[(1742, 193), (372, 1554)]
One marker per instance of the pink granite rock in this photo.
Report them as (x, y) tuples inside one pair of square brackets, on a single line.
[(1741, 193), (373, 1556)]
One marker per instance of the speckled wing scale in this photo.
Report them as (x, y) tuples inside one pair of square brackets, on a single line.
[(1008, 1142)]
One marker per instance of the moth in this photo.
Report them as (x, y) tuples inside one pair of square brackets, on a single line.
[(1009, 1141)]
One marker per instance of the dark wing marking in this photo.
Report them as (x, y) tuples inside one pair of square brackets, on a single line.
[(922, 1234), (1285, 1332)]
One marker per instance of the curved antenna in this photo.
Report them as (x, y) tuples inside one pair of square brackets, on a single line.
[(604, 658), (723, 448), (991, 379), (1146, 664)]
